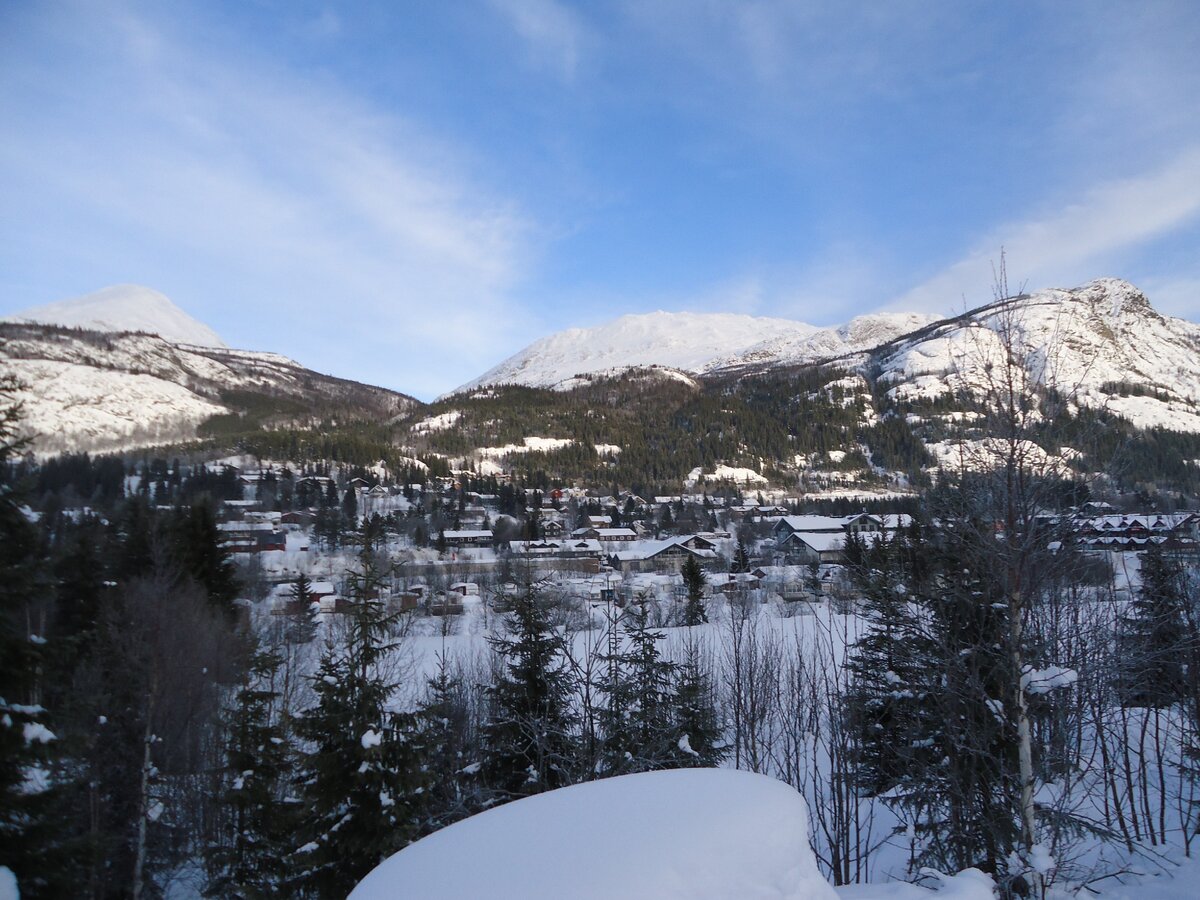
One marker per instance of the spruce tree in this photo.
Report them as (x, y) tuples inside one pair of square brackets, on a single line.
[(306, 610), (887, 706), (741, 555), (35, 843), (1153, 640), (248, 860), (529, 740), (693, 581), (700, 743), (448, 749), (361, 781)]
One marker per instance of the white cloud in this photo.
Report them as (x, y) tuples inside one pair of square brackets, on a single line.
[(554, 33), (309, 207), (1057, 248)]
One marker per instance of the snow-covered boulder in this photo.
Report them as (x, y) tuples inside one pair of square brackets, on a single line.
[(687, 833)]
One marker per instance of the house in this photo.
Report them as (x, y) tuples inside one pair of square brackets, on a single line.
[(666, 555), (572, 548), (605, 535), (1176, 532), (446, 603), (251, 537), (807, 539), (468, 538), (816, 547)]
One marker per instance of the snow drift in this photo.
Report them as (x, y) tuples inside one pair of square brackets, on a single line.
[(688, 833)]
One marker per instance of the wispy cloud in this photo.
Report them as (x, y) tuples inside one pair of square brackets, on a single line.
[(1058, 247), (312, 209), (554, 33)]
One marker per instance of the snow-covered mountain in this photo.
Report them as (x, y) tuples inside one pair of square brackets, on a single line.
[(690, 342), (124, 307), (685, 341), (100, 391), (1102, 344)]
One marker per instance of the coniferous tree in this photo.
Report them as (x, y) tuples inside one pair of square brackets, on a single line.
[(32, 841), (888, 703), (248, 860), (197, 547), (350, 506), (306, 610), (741, 555), (700, 743), (655, 738), (693, 581), (448, 748), (360, 780), (637, 731), (1154, 638), (529, 740)]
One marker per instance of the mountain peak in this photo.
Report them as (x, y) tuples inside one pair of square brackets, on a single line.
[(125, 307)]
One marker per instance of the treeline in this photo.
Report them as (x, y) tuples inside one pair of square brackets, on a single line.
[(119, 639)]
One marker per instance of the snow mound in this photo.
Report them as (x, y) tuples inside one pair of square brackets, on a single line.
[(125, 307), (687, 833)]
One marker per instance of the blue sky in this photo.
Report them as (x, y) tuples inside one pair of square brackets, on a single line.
[(406, 193)]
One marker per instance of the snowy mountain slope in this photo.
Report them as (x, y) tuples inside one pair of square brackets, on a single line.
[(694, 343), (1102, 343), (857, 335), (686, 341), (124, 307), (89, 390)]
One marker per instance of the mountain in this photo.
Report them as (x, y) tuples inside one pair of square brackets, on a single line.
[(124, 307), (685, 341), (1102, 344), (870, 406), (108, 391), (690, 342)]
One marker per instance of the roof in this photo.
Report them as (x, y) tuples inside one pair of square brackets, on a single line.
[(822, 542), (815, 523), (651, 549)]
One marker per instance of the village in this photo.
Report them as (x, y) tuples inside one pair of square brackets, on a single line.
[(448, 547)]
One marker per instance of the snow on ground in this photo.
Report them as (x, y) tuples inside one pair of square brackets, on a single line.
[(438, 423), (989, 453), (104, 409), (688, 833), (722, 472), (528, 444)]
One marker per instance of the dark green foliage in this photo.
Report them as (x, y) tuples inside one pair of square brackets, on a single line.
[(693, 581), (361, 780), (638, 728), (700, 741), (450, 747), (1154, 640), (530, 742), (248, 861), (199, 555), (888, 707)]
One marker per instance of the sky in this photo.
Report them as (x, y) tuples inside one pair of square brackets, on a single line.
[(406, 193)]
